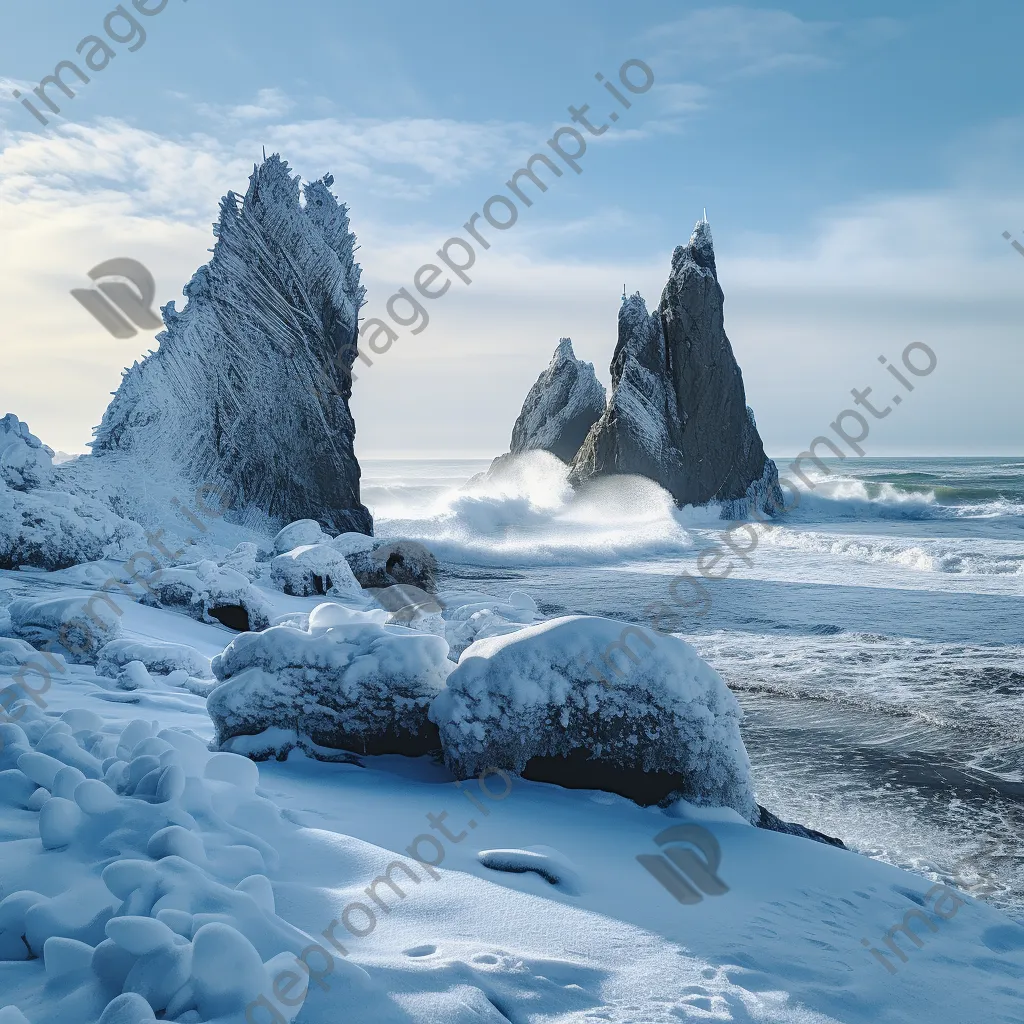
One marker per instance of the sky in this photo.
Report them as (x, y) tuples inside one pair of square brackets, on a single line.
[(859, 164)]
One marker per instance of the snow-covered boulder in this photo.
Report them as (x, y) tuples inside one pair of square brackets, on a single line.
[(243, 559), (566, 400), (594, 703), (314, 569), (350, 543), (210, 593), (348, 684), (25, 462), (302, 531), (158, 656), (395, 561), (76, 627), (54, 530), (49, 528)]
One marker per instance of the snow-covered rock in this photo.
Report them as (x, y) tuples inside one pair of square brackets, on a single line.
[(248, 392), (678, 413), (301, 532), (43, 526), (314, 569), (210, 593), (594, 703), (566, 400), (74, 626), (25, 462), (343, 685), (158, 656), (395, 561), (243, 558)]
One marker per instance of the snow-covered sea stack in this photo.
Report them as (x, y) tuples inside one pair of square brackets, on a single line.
[(565, 401), (678, 411), (249, 390)]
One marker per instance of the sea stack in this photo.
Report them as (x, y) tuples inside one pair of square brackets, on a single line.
[(678, 412), (249, 389), (566, 400)]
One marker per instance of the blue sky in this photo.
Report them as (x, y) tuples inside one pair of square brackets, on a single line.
[(858, 162)]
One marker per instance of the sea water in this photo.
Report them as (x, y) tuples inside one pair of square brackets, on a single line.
[(873, 636)]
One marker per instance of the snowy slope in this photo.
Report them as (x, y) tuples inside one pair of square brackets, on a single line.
[(238, 864)]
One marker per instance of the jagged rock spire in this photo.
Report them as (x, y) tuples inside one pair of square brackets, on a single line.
[(249, 388), (678, 412), (560, 408)]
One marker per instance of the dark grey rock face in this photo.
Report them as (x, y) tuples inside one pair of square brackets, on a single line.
[(566, 400), (678, 412), (249, 389), (773, 823)]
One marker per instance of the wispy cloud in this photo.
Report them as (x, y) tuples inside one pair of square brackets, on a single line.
[(735, 41)]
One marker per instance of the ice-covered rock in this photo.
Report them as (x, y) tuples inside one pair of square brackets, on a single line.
[(158, 656), (210, 593), (593, 703), (25, 462), (314, 569), (566, 400), (475, 617), (391, 562), (76, 627), (344, 685), (406, 603), (43, 526), (678, 413), (249, 389), (301, 532)]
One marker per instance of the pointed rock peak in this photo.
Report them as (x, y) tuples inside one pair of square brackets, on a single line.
[(564, 350), (561, 407), (633, 307), (699, 250)]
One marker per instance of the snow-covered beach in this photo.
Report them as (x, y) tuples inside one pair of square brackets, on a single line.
[(290, 738)]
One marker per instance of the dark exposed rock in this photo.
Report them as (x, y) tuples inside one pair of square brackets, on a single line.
[(678, 412), (772, 823), (249, 390), (566, 400)]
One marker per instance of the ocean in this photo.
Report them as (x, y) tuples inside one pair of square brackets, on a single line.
[(873, 635)]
